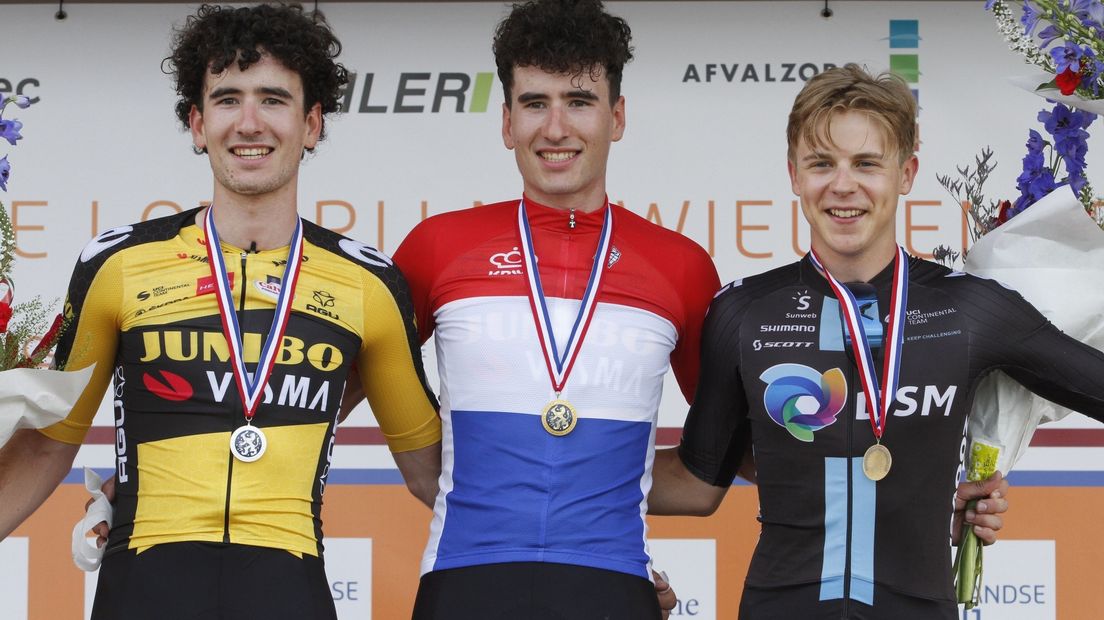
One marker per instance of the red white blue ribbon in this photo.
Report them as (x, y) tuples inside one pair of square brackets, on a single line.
[(559, 365), (251, 386), (878, 401)]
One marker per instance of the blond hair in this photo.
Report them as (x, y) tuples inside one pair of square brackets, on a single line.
[(884, 98)]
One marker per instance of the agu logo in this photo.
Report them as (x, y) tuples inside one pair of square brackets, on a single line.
[(801, 399)]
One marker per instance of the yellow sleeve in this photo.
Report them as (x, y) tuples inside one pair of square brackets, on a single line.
[(93, 337), (390, 365)]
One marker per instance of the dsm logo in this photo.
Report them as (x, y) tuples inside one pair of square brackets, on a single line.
[(801, 399)]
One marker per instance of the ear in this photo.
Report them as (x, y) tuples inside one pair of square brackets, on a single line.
[(507, 137), (791, 167), (619, 119), (195, 123), (314, 126), (908, 174)]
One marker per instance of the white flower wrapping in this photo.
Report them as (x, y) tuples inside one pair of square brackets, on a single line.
[(1053, 254), (36, 398)]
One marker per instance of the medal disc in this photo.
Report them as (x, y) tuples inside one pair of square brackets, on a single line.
[(876, 462), (558, 417), (248, 443)]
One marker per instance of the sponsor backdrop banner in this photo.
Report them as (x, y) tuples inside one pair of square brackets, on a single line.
[(704, 154)]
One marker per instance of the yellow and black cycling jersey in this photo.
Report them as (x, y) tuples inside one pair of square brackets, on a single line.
[(142, 307)]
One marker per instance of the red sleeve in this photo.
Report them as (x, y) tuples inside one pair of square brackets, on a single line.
[(416, 259), (699, 284)]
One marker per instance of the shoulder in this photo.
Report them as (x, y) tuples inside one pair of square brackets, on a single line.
[(116, 240), (639, 229), (461, 222), (679, 258), (355, 255), (737, 296)]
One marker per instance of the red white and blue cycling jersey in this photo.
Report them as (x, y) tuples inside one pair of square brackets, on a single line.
[(510, 491)]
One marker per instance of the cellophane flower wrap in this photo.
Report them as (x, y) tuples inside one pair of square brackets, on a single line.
[(1047, 244), (31, 395)]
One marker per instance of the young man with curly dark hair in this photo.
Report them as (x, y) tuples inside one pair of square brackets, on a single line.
[(551, 383), (230, 331)]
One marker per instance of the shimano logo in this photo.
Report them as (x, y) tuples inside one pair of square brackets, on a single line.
[(787, 328)]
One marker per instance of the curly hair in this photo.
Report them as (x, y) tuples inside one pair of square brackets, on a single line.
[(885, 99), (217, 36), (564, 37)]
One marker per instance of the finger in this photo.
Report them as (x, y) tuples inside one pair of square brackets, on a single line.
[(991, 521), (981, 488), (985, 535), (992, 506), (88, 504)]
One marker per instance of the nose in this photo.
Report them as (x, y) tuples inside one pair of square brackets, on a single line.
[(843, 181), (249, 121), (555, 126)]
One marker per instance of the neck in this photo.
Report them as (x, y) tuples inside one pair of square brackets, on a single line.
[(585, 202), (253, 227), (854, 268)]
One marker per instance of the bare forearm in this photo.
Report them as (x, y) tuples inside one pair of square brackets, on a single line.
[(676, 491), (421, 470), (31, 467)]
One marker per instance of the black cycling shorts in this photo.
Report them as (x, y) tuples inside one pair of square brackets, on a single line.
[(534, 591), (209, 581), (789, 603)]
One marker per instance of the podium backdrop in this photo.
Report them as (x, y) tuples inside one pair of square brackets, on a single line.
[(704, 153)]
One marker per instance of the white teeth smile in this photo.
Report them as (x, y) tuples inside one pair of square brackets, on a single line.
[(252, 152), (557, 157), (845, 212)]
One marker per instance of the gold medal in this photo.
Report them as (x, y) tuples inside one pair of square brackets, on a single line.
[(558, 417), (877, 461)]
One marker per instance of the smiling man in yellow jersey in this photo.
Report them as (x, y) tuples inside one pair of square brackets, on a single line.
[(229, 332)]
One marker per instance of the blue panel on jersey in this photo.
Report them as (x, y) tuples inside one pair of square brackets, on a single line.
[(835, 529), (864, 493), (520, 494), (831, 328)]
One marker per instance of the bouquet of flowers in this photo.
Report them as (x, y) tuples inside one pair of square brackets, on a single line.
[(1045, 244), (30, 396)]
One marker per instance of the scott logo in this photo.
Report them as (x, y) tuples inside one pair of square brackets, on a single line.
[(174, 387)]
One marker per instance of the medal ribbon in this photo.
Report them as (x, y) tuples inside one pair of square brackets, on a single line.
[(251, 387), (559, 366), (878, 402)]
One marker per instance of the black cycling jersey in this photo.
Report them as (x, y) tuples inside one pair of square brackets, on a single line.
[(775, 365)]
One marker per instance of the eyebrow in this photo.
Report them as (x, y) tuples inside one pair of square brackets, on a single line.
[(264, 90), (571, 94), (865, 155)]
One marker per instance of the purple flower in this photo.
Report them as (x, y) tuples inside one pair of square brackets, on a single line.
[(1087, 12), (1068, 55), (1035, 142), (9, 130), (5, 172), (23, 101), (1048, 35), (1030, 17)]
